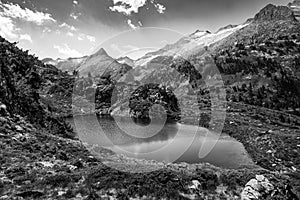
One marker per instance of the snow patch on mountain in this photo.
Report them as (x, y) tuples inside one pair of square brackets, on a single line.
[(191, 44)]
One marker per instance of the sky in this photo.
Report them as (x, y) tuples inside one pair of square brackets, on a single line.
[(75, 28)]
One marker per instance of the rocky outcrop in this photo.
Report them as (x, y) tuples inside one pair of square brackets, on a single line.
[(275, 13), (261, 188), (256, 188), (143, 98)]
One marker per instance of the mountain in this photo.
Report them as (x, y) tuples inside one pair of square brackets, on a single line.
[(259, 64), (192, 44), (68, 65), (100, 64), (275, 13), (266, 44), (126, 60), (22, 79), (51, 61), (97, 64)]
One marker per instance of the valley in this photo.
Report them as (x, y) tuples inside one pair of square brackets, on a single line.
[(242, 81)]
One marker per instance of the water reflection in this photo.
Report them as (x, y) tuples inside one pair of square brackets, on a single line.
[(172, 140)]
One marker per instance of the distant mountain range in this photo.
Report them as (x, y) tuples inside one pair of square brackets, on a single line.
[(257, 60), (199, 43), (99, 63)]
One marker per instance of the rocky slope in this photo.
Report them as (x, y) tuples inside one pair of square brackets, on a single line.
[(38, 165), (126, 60), (39, 161), (267, 44)]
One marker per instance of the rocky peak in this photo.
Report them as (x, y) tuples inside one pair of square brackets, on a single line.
[(227, 27), (200, 33), (100, 52), (275, 13)]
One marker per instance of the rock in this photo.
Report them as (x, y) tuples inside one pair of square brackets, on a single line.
[(3, 109), (19, 128), (249, 193), (4, 197), (60, 193), (255, 187), (270, 151), (260, 178), (47, 164), (195, 185), (274, 13), (72, 167), (3, 120)]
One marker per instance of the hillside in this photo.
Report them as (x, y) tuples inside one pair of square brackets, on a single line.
[(259, 63), (39, 162), (264, 49)]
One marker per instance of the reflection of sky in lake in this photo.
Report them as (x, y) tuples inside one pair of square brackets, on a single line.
[(174, 142)]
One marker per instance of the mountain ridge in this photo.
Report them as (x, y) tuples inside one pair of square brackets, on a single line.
[(272, 12)]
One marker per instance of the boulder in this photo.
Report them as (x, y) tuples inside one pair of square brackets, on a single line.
[(256, 187)]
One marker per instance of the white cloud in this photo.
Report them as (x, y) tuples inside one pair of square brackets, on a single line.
[(129, 22), (9, 31), (160, 8), (7, 28), (83, 36), (14, 11), (91, 38), (25, 37), (70, 34), (127, 6), (75, 15), (67, 51), (47, 30), (65, 25)]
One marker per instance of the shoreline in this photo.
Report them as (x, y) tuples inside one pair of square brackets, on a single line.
[(69, 171)]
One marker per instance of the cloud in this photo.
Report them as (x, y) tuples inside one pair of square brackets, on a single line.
[(9, 31), (70, 34), (131, 25), (91, 38), (26, 37), (67, 51), (7, 28), (83, 36), (47, 30), (67, 26), (160, 8), (14, 11), (127, 6), (75, 15), (80, 38)]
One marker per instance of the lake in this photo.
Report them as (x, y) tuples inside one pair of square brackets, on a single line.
[(171, 142)]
